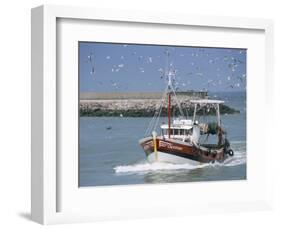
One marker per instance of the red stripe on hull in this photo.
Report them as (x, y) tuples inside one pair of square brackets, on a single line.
[(184, 150)]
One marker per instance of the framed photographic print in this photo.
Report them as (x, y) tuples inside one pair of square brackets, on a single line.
[(141, 114), (133, 133)]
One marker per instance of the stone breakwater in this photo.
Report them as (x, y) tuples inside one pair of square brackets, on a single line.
[(141, 108)]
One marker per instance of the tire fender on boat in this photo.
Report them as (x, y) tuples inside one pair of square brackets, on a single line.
[(230, 152)]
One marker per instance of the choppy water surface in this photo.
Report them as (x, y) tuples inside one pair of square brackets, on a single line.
[(110, 153)]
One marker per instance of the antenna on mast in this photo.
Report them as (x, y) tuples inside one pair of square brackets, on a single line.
[(169, 80), (169, 73)]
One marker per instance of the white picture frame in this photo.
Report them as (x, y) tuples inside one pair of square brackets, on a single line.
[(54, 201)]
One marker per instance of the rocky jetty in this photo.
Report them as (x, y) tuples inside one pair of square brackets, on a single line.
[(129, 106)]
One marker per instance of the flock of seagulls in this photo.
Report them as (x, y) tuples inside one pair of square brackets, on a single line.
[(90, 59), (198, 64)]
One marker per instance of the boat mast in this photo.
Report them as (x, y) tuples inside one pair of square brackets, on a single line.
[(218, 115), (169, 114), (169, 75), (194, 114)]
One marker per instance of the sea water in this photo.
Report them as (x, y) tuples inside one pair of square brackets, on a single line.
[(109, 152)]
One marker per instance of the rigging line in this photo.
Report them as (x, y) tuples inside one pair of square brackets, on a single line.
[(181, 112), (186, 111), (161, 107), (157, 120), (160, 104), (149, 128), (159, 114), (150, 123)]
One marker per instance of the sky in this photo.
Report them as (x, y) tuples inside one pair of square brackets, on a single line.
[(110, 67)]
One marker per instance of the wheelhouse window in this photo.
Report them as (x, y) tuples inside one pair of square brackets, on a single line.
[(179, 132)]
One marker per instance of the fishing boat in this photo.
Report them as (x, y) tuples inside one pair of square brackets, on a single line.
[(186, 140)]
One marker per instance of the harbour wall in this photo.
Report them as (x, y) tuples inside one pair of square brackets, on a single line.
[(140, 95), (139, 104)]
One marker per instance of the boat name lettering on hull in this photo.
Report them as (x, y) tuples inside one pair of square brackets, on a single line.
[(169, 146)]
